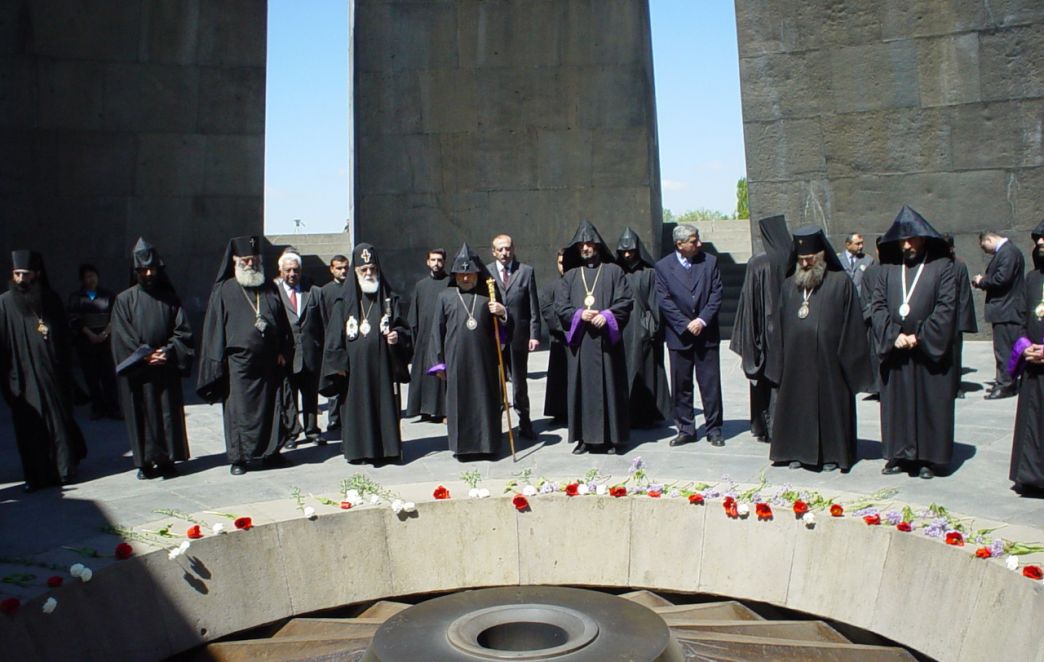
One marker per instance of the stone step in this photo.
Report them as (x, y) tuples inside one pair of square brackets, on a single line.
[(647, 599), (737, 648), (384, 609), (794, 630), (286, 649), (330, 628), (728, 610)]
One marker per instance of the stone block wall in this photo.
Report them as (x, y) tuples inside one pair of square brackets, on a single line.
[(519, 116), (852, 109), (137, 117)]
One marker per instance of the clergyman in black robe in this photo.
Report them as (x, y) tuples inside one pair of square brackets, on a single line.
[(871, 277), (557, 382), (149, 315), (463, 350), (756, 334), (243, 356), (1027, 357), (593, 302), (90, 312), (825, 359), (329, 293), (427, 396), (35, 379), (914, 310), (650, 398), (966, 322), (367, 350)]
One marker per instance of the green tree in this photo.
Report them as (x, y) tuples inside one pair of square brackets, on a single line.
[(695, 215), (668, 217), (742, 209)]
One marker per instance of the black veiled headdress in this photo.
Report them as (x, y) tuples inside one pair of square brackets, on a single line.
[(586, 232), (776, 239), (630, 241), (907, 225)]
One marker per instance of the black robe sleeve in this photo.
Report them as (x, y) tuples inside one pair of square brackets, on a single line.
[(334, 373), (854, 349), (935, 333), (212, 380)]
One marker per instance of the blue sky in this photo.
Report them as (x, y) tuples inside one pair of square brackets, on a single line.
[(306, 150)]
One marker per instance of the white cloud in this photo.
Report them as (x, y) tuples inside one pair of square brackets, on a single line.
[(673, 185)]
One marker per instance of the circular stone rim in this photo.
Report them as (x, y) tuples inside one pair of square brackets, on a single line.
[(463, 633)]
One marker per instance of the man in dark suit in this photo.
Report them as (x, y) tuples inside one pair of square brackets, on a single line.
[(689, 290), (516, 283), (304, 310), (854, 260), (1003, 284), (329, 294)]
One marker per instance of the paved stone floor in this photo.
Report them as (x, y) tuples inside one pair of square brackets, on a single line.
[(109, 492)]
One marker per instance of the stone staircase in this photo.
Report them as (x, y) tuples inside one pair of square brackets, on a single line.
[(725, 630)]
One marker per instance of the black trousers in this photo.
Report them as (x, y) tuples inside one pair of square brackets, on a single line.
[(705, 362), (516, 362), (1004, 336), (762, 403), (99, 373), (305, 387), (333, 412)]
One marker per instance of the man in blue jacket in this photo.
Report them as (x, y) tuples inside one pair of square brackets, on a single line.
[(688, 286)]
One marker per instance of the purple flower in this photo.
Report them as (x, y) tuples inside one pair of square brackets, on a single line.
[(673, 493), (711, 493), (997, 547), (655, 487), (547, 488), (893, 517), (936, 528), (637, 464), (863, 512)]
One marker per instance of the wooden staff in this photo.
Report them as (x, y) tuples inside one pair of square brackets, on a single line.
[(500, 360)]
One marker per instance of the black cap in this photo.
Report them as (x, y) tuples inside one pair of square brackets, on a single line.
[(809, 240), (22, 260), (467, 261), (363, 255), (245, 246)]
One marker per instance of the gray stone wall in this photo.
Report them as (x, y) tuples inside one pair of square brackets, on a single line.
[(126, 118), (852, 109), (519, 116)]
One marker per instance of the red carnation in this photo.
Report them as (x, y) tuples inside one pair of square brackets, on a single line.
[(731, 510), (571, 489), (9, 606), (696, 499), (656, 494), (618, 491), (800, 508), (872, 520), (1033, 572), (345, 505), (54, 582), (194, 533), (763, 511), (520, 502), (243, 523), (955, 538), (983, 553), (904, 527), (441, 493), (123, 551), (836, 510)]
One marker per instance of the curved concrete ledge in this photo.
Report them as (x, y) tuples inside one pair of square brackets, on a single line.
[(937, 599)]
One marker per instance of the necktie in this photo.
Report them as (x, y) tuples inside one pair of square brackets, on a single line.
[(293, 299), (507, 276)]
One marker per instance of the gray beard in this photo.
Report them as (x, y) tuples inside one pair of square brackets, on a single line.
[(249, 277), (812, 278), (368, 286)]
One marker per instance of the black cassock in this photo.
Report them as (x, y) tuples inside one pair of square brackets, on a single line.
[(557, 380), (473, 398), (871, 277), (966, 322), (151, 396), (1027, 448), (597, 394), (237, 366), (369, 394), (825, 363), (427, 392), (917, 386), (37, 385), (650, 397)]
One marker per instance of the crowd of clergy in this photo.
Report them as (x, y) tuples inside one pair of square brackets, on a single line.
[(814, 328)]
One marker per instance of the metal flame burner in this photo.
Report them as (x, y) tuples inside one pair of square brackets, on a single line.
[(524, 623)]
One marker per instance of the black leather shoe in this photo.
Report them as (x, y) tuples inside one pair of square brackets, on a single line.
[(794, 465), (611, 450), (237, 470), (290, 445), (682, 439), (926, 473), (1000, 393), (143, 475), (892, 468), (166, 471), (829, 466), (580, 449), (715, 439)]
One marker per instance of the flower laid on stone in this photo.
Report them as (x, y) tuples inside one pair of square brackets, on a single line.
[(743, 510), (800, 508), (696, 499), (396, 506), (601, 489), (872, 520), (244, 523), (836, 510), (54, 582), (809, 519), (520, 503), (400, 506), (218, 528), (583, 488), (49, 605), (1033, 572), (1012, 562), (478, 493), (904, 527), (194, 532), (955, 538), (346, 505), (618, 491), (983, 553), (572, 489), (309, 512), (86, 575), (529, 491), (123, 551), (75, 569), (655, 494), (9, 605), (731, 509), (375, 500), (763, 511), (441, 493), (179, 550)]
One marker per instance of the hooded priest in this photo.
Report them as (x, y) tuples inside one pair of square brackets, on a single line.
[(244, 352), (593, 302), (367, 350), (463, 351), (913, 312), (148, 317)]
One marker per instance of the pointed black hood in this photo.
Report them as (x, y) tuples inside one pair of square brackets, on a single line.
[(146, 256), (809, 239), (238, 247), (1038, 232), (908, 224), (775, 238), (585, 232), (467, 261), (630, 241)]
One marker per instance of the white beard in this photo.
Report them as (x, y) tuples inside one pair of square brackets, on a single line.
[(249, 277), (368, 286)]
